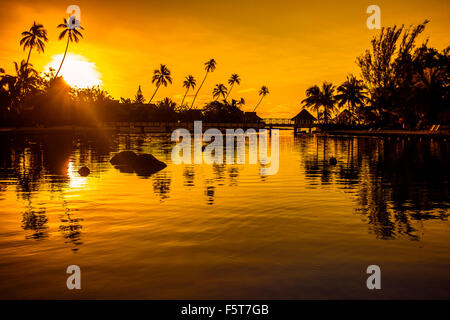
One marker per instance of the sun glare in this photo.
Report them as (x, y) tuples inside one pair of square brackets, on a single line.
[(77, 71)]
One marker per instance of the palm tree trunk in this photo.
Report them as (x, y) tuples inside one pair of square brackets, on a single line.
[(157, 87), (195, 97), (231, 88), (258, 103), (29, 54), (184, 96), (65, 52)]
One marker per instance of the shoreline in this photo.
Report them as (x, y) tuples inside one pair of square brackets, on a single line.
[(163, 129), (390, 133)]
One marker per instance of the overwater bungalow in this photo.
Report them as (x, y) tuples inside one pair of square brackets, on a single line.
[(304, 119)]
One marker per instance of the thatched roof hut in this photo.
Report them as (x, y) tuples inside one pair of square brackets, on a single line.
[(345, 117), (304, 119)]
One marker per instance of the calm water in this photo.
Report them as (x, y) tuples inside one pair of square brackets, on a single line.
[(224, 231)]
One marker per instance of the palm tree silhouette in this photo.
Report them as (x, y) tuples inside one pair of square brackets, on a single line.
[(233, 79), (188, 83), (262, 92), (313, 100), (219, 90), (72, 35), (161, 76), (328, 100), (351, 92), (35, 37), (210, 66), (321, 97), (25, 81), (26, 76)]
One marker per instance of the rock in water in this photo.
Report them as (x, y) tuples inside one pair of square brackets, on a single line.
[(123, 158), (84, 171), (143, 164), (333, 161)]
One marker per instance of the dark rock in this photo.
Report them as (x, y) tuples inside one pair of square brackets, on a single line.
[(123, 158), (333, 161), (84, 171), (143, 164)]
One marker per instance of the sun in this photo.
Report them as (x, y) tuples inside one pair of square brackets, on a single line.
[(77, 71)]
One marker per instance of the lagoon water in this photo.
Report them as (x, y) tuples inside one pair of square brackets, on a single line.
[(224, 231)]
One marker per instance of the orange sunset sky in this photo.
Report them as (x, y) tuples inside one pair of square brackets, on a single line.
[(286, 45)]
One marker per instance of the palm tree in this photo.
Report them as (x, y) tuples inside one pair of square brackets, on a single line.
[(321, 97), (233, 79), (328, 100), (161, 76), (210, 66), (72, 35), (188, 83), (26, 77), (35, 37), (16, 87), (262, 92), (219, 90), (312, 100), (241, 102), (351, 93)]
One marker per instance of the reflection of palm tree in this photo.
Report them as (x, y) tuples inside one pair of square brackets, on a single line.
[(190, 82), (233, 79), (262, 92), (219, 90), (72, 35), (35, 37), (161, 76), (210, 66), (36, 223), (351, 92)]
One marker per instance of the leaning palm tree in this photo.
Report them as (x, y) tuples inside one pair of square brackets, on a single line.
[(72, 35), (188, 83), (351, 93), (210, 66), (219, 90), (262, 92), (313, 100), (233, 79), (35, 37), (161, 76)]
